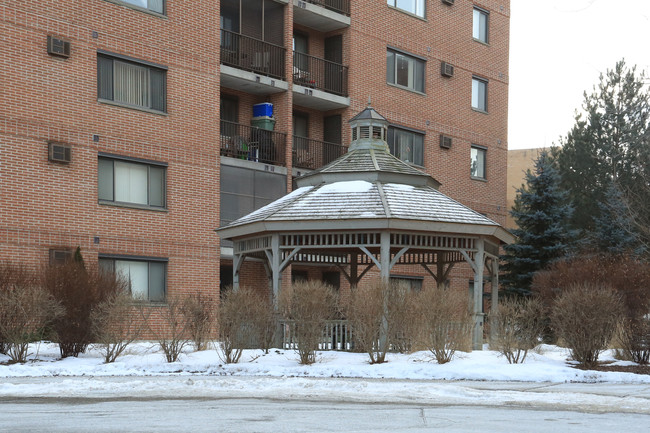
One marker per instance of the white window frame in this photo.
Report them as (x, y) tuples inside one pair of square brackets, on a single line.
[(151, 6), (480, 25), (413, 7), (478, 162), (480, 94), (140, 274), (392, 70), (108, 186)]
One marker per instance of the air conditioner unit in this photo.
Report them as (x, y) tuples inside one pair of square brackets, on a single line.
[(446, 69), (58, 47), (59, 152), (445, 142), (449, 2), (60, 256)]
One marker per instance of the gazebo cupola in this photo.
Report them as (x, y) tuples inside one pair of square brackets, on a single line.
[(369, 130)]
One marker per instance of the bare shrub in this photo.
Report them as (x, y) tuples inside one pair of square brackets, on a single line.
[(79, 290), (519, 324), (366, 312), (114, 323), (25, 311), (243, 319), (174, 335), (629, 276), (265, 323), (446, 322), (309, 304), (585, 316), (634, 338), (404, 317), (201, 314)]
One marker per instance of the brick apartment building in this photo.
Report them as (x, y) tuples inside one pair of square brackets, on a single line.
[(113, 140)]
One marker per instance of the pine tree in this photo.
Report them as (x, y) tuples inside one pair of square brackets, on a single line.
[(614, 231), (609, 143), (541, 213)]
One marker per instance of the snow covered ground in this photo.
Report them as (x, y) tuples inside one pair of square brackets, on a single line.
[(546, 364), (481, 379)]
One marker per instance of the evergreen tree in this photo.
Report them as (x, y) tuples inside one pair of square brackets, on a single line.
[(609, 143), (541, 213), (614, 231)]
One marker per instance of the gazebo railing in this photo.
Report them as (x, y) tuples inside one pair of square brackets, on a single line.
[(337, 335)]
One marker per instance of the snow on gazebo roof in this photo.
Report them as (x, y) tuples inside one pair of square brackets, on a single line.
[(367, 188)]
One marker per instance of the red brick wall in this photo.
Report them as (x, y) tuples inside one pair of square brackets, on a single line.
[(44, 204), (43, 98)]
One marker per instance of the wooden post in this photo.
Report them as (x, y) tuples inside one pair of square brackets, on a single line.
[(479, 262)]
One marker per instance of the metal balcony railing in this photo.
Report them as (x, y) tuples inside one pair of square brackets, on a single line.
[(312, 154), (340, 6), (250, 54), (253, 144), (310, 71)]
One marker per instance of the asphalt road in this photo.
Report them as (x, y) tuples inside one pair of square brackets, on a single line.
[(122, 404), (252, 415)]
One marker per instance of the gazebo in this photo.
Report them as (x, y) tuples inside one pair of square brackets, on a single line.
[(370, 209)]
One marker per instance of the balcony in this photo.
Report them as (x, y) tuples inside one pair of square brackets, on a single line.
[(322, 15), (252, 144), (312, 154), (319, 83), (252, 65)]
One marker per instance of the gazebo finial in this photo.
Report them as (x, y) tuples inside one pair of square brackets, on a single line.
[(369, 102)]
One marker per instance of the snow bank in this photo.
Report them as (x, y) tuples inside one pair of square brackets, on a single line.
[(145, 359)]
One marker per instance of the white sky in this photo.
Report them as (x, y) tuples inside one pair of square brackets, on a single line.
[(558, 48)]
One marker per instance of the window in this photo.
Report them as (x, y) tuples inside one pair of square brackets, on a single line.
[(413, 283), (478, 161), (479, 94), (147, 277), (152, 5), (416, 7), (405, 71), (406, 145), (130, 82), (229, 113), (480, 25), (126, 181), (244, 190)]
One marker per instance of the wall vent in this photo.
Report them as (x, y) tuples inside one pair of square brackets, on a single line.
[(446, 69), (448, 2), (58, 47), (445, 142), (59, 152)]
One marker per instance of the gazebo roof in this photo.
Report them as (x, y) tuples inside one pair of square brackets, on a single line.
[(367, 188)]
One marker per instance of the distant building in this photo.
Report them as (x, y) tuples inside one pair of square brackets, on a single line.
[(519, 160)]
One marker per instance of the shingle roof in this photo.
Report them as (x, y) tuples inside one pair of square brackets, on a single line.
[(350, 200), (365, 187)]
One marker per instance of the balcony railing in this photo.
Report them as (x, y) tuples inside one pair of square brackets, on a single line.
[(310, 71), (340, 6), (250, 54), (253, 144), (312, 154)]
